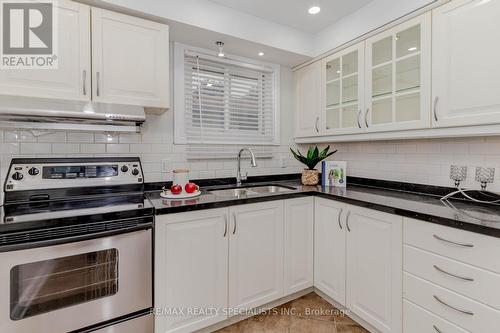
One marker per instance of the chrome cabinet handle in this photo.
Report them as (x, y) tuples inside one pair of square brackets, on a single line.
[(97, 77), (84, 82), (316, 125), (470, 313), (436, 100), (359, 114), (366, 117), (225, 226), (347, 221), (234, 229), (453, 275), (452, 242), (340, 224), (437, 329)]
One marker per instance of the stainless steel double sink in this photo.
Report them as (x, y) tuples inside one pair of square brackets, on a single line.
[(251, 191)]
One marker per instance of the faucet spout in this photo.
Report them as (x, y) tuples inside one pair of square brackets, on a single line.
[(253, 163)]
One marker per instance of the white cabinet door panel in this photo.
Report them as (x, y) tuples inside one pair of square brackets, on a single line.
[(308, 100), (374, 268), (255, 254), (191, 269), (466, 74), (330, 249), (72, 78), (299, 244), (130, 60)]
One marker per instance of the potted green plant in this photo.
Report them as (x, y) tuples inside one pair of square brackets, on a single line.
[(310, 176)]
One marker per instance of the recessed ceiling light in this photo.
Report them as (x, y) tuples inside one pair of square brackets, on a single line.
[(411, 49), (314, 10), (261, 54)]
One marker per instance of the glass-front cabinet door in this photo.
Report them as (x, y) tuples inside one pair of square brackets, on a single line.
[(342, 96), (398, 77)]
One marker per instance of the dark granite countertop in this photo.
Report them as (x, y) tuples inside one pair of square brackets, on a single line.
[(403, 201)]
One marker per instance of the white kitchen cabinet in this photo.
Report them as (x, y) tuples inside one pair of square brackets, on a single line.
[(191, 268), (299, 244), (255, 254), (129, 60), (308, 100), (465, 53), (374, 267), (398, 77), (330, 249), (342, 102), (72, 78)]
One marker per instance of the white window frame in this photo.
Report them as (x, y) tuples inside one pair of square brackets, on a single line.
[(179, 120)]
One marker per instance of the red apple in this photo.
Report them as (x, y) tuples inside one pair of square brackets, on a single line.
[(176, 189), (191, 187)]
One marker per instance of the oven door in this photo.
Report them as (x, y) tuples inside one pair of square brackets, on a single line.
[(61, 288)]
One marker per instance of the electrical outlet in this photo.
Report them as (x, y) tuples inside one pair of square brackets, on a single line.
[(165, 166)]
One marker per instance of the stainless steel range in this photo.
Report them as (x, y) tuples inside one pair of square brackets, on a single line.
[(76, 247)]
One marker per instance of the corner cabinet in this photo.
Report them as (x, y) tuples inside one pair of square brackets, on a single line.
[(342, 82), (466, 71), (129, 60), (398, 77), (308, 100), (358, 261), (72, 79)]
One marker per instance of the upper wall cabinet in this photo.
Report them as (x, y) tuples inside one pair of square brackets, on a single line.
[(342, 92), (308, 102), (71, 80), (129, 60), (398, 67), (466, 71)]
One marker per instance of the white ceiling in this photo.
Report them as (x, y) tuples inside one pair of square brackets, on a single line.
[(294, 13)]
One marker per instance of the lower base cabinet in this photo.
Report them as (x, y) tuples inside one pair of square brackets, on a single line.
[(191, 269), (213, 264), (255, 255), (358, 261), (225, 261)]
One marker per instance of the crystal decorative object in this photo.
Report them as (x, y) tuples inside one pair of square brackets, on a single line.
[(485, 176), (458, 173)]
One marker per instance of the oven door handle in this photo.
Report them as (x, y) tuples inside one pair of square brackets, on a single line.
[(73, 239)]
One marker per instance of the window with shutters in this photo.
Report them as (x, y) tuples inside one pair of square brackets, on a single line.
[(226, 100)]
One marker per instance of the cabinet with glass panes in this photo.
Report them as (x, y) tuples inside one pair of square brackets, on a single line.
[(398, 77), (342, 78)]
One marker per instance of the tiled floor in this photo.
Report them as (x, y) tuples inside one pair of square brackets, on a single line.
[(308, 314)]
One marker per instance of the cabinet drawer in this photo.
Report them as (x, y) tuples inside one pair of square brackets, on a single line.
[(465, 246), (419, 320), (462, 311), (464, 279)]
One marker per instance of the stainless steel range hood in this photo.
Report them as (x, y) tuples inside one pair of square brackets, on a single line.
[(54, 114)]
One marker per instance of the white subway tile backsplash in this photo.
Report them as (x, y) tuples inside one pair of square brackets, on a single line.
[(35, 148), (52, 137), (65, 148), (80, 137), (116, 148), (92, 148)]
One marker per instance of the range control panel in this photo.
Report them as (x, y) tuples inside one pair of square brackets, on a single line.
[(37, 174)]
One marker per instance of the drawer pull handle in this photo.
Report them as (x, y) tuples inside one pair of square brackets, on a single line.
[(340, 213), (234, 216), (470, 313), (451, 242), (225, 226), (453, 275), (437, 329)]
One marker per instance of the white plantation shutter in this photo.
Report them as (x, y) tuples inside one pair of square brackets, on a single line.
[(228, 101)]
